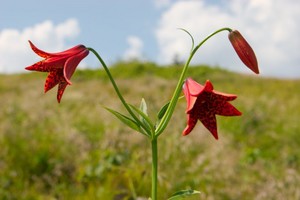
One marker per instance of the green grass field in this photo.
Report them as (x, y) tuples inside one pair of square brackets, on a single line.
[(77, 150)]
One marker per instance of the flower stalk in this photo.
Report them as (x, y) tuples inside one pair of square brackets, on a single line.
[(166, 118), (154, 168), (127, 107), (203, 102)]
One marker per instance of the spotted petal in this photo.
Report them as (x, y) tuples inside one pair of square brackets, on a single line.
[(49, 64), (191, 123), (51, 81), (61, 88), (228, 110), (210, 122)]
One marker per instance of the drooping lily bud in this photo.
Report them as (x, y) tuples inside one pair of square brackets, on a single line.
[(243, 50)]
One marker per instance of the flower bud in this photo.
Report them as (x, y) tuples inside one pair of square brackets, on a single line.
[(243, 50)]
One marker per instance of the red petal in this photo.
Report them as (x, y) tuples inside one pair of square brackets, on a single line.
[(39, 52), (61, 88), (228, 110), (68, 52), (194, 88), (39, 66), (190, 100), (72, 51), (224, 96), (47, 65), (191, 123), (208, 87), (210, 122), (51, 81), (72, 63), (191, 90)]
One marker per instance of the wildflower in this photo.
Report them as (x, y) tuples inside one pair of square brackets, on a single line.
[(60, 66), (243, 50), (203, 103)]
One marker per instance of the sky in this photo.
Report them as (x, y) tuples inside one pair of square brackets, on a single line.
[(148, 30)]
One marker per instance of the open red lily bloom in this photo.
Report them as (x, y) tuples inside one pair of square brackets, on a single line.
[(203, 103), (243, 50), (60, 66)]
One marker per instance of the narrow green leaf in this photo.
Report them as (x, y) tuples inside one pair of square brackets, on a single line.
[(182, 194), (143, 107), (162, 111), (126, 120), (144, 118)]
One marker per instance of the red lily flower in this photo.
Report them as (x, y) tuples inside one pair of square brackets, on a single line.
[(60, 66), (243, 50), (203, 103)]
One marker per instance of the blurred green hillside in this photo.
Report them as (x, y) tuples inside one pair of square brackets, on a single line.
[(77, 150)]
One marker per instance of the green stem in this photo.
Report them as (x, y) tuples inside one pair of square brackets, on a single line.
[(154, 169), (118, 91), (166, 118)]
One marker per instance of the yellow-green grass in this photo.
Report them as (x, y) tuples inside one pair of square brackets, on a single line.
[(77, 150)]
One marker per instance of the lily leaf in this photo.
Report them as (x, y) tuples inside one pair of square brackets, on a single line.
[(143, 107), (144, 118), (182, 194), (126, 120), (162, 111)]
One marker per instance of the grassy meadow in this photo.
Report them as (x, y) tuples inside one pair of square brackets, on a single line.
[(77, 150)]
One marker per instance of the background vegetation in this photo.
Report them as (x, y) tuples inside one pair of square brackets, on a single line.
[(77, 150)]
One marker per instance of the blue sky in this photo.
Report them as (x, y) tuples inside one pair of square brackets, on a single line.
[(147, 30), (104, 25)]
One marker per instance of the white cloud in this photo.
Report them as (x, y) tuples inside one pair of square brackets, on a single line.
[(15, 52), (135, 48), (270, 26)]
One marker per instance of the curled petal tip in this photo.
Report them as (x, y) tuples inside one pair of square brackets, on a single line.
[(33, 47), (208, 86), (185, 133), (28, 68), (216, 137), (34, 67), (187, 130)]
